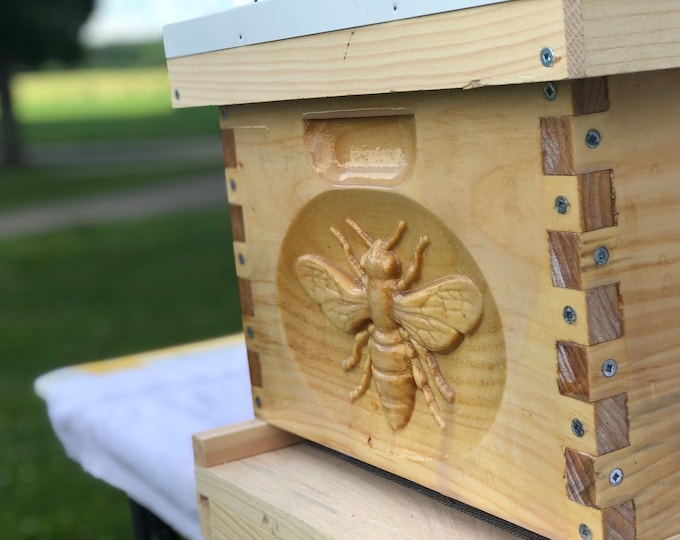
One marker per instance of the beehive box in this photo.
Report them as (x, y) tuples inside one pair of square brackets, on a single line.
[(458, 245)]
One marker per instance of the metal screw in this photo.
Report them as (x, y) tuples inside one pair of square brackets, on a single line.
[(224, 112), (547, 57), (601, 255), (250, 331), (584, 532), (577, 428), (616, 477), (550, 91), (569, 314), (609, 368), (241, 258), (232, 184), (593, 138), (561, 204), (176, 93), (258, 402)]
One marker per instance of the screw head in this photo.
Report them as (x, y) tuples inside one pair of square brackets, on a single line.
[(569, 314), (550, 91), (232, 184), (616, 477), (609, 368), (177, 95), (601, 255), (241, 258), (593, 138), (561, 204), (584, 532), (577, 428), (250, 332), (258, 402), (547, 57), (224, 112)]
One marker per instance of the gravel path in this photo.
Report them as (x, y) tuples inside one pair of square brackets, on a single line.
[(177, 195)]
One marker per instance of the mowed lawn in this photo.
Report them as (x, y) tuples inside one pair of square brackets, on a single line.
[(96, 292), (90, 104), (96, 106)]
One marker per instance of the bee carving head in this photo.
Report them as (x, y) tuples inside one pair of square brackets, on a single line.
[(380, 261)]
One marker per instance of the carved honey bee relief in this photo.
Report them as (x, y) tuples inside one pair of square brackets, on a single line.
[(398, 327)]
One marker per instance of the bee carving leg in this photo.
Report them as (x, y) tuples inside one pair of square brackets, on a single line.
[(420, 377), (365, 380), (351, 258), (413, 271), (439, 379), (433, 366), (360, 341)]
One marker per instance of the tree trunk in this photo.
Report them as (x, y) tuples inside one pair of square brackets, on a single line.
[(11, 144)]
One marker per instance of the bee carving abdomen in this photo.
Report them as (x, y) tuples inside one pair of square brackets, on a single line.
[(394, 383), (397, 329)]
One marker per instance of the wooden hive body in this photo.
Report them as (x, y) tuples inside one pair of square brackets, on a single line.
[(547, 292)]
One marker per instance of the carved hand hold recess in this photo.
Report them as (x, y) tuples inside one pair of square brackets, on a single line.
[(399, 327)]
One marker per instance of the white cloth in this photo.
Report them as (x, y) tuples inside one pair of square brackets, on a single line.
[(129, 421)]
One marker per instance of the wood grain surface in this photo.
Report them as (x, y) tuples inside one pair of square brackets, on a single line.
[(478, 187)]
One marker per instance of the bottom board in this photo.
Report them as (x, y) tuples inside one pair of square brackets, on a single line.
[(306, 491)]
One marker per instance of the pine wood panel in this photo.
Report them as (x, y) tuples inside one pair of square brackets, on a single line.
[(623, 36), (460, 49), (303, 492), (237, 441), (509, 425), (282, 385), (489, 45)]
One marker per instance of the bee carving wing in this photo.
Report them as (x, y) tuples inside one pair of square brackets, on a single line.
[(342, 299), (438, 314)]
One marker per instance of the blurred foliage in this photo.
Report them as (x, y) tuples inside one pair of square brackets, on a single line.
[(39, 30), (30, 34)]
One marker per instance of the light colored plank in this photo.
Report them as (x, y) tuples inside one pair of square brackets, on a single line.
[(625, 36), (251, 24), (503, 447), (237, 441), (489, 45), (304, 492), (227, 524)]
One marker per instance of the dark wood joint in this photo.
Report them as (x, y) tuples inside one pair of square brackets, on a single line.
[(605, 320)]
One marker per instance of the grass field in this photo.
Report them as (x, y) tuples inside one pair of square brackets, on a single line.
[(96, 292), (85, 106), (86, 294), (111, 104)]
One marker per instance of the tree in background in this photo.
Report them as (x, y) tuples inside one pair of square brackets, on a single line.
[(31, 32)]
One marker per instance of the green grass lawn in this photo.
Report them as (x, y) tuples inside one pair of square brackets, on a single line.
[(24, 186), (81, 106), (111, 104), (96, 292), (86, 294)]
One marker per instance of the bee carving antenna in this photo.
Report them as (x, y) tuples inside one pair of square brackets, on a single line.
[(364, 235), (396, 235)]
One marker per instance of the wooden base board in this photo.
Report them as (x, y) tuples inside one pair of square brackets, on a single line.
[(305, 491)]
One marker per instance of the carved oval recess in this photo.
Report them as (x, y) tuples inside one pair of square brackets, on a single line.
[(391, 322)]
